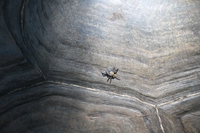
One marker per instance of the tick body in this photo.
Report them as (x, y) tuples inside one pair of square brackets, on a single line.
[(110, 73)]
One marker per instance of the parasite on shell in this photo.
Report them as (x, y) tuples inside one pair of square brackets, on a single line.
[(110, 73)]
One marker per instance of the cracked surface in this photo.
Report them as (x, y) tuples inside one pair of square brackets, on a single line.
[(52, 54)]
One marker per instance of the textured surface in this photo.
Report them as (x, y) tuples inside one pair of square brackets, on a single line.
[(73, 109), (15, 70), (154, 53), (182, 114), (52, 53)]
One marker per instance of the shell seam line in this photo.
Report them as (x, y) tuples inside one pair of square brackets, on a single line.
[(160, 121), (22, 32), (93, 89), (179, 98)]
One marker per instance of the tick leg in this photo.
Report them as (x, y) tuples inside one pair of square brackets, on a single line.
[(117, 78), (108, 79), (116, 71), (103, 74)]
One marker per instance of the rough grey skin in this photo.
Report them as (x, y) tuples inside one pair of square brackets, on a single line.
[(110, 73)]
